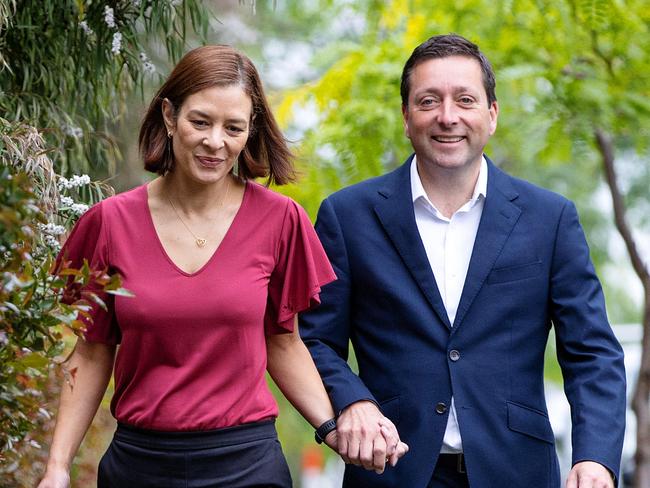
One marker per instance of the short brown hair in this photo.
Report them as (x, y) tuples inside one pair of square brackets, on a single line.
[(266, 153), (444, 46)]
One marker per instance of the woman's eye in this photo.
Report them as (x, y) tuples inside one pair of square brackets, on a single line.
[(235, 129), (199, 123)]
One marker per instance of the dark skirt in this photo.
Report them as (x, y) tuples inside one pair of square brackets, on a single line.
[(244, 456)]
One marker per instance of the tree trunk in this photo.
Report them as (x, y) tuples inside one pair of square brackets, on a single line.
[(641, 399)]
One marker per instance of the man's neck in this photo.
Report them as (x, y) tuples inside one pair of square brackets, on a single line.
[(449, 189)]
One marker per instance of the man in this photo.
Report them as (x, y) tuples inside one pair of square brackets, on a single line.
[(451, 274)]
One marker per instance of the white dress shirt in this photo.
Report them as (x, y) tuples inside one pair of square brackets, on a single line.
[(449, 243)]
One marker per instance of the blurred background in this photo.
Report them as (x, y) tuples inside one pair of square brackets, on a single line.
[(573, 85)]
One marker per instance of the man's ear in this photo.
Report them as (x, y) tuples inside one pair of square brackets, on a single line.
[(494, 115), (169, 117), (405, 119)]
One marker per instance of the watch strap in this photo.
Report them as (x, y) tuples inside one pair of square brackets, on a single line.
[(325, 428)]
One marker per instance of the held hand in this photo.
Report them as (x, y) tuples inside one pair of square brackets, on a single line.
[(589, 474), (331, 440), (395, 448), (55, 478), (359, 437)]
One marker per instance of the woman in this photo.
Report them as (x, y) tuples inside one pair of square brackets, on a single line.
[(219, 266)]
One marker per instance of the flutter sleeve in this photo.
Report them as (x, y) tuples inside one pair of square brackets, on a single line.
[(88, 241), (301, 269)]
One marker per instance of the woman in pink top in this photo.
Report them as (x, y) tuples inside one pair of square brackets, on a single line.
[(219, 266)]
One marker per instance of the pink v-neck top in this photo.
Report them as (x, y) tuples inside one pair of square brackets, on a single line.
[(192, 352)]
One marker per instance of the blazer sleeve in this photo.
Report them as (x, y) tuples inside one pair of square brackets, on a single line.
[(589, 354), (326, 330)]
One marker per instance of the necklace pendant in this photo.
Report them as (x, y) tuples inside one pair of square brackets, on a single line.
[(200, 242)]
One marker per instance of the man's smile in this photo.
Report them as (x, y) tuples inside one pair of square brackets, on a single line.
[(447, 139)]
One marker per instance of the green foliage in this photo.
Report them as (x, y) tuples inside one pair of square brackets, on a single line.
[(66, 66), (31, 311), (564, 69)]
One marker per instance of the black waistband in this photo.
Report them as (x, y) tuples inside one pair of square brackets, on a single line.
[(453, 461), (196, 439)]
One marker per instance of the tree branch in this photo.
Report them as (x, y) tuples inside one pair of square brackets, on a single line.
[(607, 151)]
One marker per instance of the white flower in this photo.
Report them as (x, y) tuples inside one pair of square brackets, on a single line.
[(136, 3), (79, 208), (11, 281), (51, 229), (72, 131), (44, 413), (66, 201), (80, 180), (176, 3), (86, 28), (109, 16), (74, 182), (116, 47), (147, 12), (52, 243), (147, 65)]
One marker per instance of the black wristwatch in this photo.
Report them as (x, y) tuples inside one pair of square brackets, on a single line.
[(327, 427)]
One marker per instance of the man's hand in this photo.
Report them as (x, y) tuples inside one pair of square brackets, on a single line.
[(588, 474), (366, 438)]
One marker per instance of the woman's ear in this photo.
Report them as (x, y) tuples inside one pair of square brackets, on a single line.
[(169, 116)]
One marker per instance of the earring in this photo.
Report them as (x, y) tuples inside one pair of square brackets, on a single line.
[(169, 134)]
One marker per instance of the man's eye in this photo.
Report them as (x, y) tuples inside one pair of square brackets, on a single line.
[(466, 100)]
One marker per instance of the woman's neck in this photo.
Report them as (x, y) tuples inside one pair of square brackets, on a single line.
[(194, 198)]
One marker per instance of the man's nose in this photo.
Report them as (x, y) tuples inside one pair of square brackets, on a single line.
[(447, 113)]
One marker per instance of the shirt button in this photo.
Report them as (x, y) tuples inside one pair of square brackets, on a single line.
[(454, 355), (441, 408)]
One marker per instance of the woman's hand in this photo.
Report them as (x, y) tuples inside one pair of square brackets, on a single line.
[(90, 365), (389, 431), (55, 478), (331, 440)]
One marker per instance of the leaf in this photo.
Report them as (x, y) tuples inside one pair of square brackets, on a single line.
[(95, 298), (34, 360), (594, 13), (122, 292)]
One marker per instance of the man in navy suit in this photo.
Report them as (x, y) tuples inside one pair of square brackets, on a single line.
[(451, 275)]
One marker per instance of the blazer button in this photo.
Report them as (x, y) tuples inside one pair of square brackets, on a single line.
[(441, 408), (454, 355)]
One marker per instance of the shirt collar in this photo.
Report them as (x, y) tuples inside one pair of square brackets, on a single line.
[(480, 189)]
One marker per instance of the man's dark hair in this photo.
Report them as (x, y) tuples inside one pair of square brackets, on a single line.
[(444, 46)]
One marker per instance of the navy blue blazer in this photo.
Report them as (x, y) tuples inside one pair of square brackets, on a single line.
[(530, 269)]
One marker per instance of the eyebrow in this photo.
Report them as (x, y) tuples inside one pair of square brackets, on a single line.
[(456, 90), (205, 115)]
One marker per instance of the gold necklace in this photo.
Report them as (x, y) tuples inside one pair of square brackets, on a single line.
[(200, 242)]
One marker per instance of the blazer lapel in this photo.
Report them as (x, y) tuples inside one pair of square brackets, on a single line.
[(497, 221), (395, 212)]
